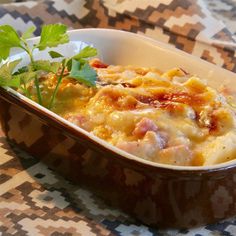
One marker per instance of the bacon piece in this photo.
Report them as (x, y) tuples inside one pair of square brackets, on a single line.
[(128, 85), (143, 126), (96, 63), (179, 97)]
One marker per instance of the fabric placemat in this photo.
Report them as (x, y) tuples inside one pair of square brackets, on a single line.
[(34, 200)]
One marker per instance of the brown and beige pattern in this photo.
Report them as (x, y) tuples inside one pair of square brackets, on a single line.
[(34, 200), (224, 10)]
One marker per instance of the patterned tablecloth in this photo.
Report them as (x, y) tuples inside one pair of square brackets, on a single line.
[(34, 200)]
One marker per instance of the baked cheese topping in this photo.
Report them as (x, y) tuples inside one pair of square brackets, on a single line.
[(172, 118)]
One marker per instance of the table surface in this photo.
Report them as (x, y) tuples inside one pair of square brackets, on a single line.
[(34, 200)]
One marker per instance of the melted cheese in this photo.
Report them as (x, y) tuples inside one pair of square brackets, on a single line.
[(171, 118)]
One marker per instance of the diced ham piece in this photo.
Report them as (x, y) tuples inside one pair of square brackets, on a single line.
[(79, 120), (146, 148), (228, 90), (143, 126)]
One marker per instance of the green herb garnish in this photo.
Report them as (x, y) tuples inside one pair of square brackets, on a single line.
[(51, 36), (28, 33), (6, 78), (85, 53), (83, 73), (8, 39)]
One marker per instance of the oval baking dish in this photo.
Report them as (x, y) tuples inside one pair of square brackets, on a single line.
[(157, 194)]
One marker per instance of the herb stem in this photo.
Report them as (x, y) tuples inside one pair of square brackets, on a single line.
[(39, 95), (57, 87), (36, 80), (30, 53), (26, 92), (28, 50)]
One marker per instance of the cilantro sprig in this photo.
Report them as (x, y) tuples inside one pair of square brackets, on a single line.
[(51, 36)]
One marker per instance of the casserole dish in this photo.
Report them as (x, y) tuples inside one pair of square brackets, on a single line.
[(156, 194)]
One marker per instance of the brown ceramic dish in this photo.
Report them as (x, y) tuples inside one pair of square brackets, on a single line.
[(157, 194)]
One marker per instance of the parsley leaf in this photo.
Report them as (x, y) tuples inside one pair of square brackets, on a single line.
[(14, 82), (25, 77), (6, 74), (8, 39), (84, 74), (7, 69), (45, 65), (54, 54), (52, 36), (85, 53), (21, 70), (28, 33)]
